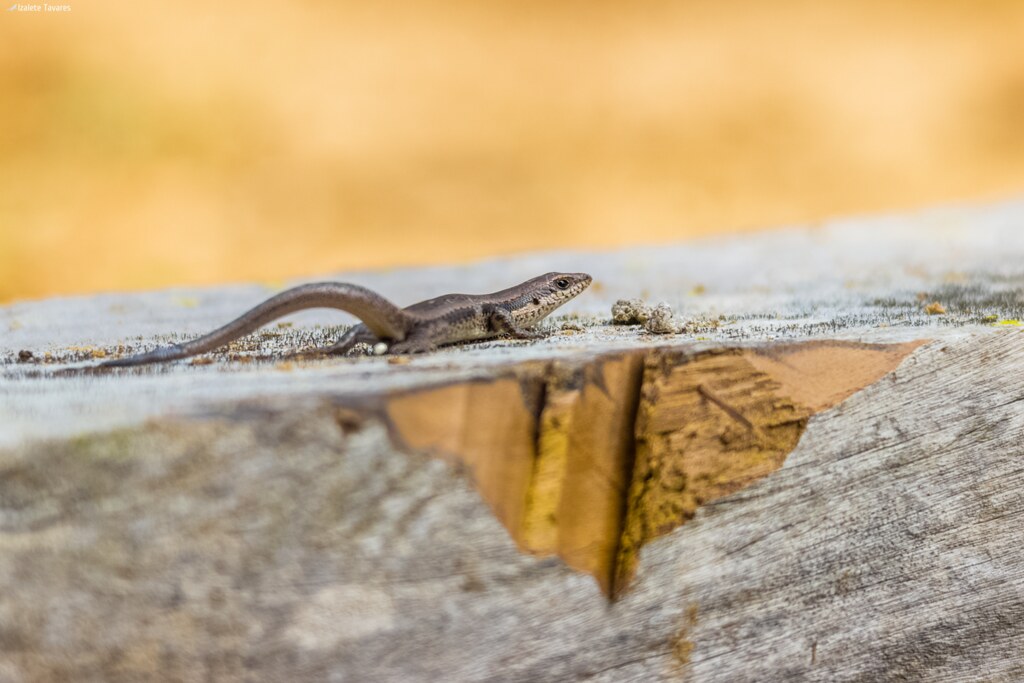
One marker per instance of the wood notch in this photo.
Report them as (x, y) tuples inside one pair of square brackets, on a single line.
[(591, 461), (714, 422)]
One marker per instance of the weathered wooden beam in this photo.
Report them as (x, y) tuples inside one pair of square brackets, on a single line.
[(816, 479)]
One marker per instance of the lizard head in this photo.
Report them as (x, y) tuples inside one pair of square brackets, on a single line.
[(547, 292)]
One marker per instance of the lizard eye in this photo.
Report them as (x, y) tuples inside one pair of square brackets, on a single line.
[(561, 283)]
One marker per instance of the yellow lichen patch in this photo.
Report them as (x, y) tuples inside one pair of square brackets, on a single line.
[(955, 278), (935, 308), (92, 351), (682, 645), (682, 648), (1009, 323)]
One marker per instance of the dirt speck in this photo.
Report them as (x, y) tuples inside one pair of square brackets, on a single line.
[(659, 321), (630, 312)]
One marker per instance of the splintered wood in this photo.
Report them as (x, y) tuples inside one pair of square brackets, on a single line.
[(585, 453), (591, 461)]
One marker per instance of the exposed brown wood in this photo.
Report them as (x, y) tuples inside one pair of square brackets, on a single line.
[(712, 423), (562, 477), (584, 464), (487, 427)]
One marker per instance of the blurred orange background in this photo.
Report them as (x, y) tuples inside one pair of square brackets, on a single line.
[(149, 144)]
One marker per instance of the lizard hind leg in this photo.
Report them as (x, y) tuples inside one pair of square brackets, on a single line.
[(357, 334), (412, 344)]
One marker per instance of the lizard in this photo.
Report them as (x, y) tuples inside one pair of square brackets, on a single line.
[(419, 328)]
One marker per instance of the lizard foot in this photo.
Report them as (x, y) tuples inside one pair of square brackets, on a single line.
[(411, 346)]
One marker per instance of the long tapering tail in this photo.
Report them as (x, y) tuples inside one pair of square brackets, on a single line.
[(382, 317)]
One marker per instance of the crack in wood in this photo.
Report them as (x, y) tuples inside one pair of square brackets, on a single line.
[(732, 412)]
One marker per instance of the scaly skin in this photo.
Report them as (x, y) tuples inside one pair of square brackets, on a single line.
[(419, 328)]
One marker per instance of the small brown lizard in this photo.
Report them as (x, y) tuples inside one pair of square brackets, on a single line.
[(419, 328)]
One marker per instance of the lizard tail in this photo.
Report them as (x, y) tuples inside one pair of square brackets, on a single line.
[(382, 317)]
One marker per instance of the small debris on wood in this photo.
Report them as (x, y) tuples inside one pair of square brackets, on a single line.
[(572, 326), (24, 355), (659, 320), (398, 360), (350, 420), (361, 349), (630, 312), (935, 308), (656, 319)]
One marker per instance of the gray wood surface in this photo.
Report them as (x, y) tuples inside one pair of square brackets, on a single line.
[(254, 521)]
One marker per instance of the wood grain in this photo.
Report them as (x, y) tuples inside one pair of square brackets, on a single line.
[(848, 515)]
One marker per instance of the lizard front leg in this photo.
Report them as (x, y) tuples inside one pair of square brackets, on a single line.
[(501, 322)]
